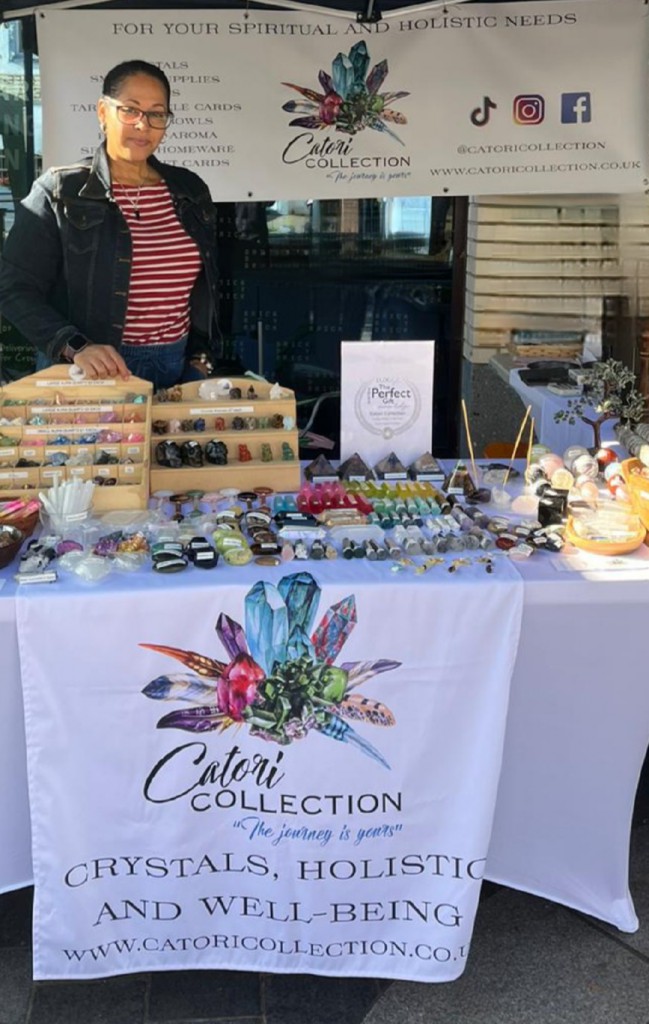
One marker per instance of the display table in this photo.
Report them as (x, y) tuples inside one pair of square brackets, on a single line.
[(577, 734), (545, 404), (577, 726)]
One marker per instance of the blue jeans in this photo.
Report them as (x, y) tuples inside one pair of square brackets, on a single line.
[(163, 365)]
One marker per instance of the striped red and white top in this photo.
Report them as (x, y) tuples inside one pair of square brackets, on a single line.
[(166, 263)]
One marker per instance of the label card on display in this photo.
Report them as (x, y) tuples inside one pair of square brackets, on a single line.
[(386, 399)]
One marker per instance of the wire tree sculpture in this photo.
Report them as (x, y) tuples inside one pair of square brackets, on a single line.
[(610, 390)]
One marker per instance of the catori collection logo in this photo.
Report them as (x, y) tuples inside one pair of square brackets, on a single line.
[(280, 681), (350, 102)]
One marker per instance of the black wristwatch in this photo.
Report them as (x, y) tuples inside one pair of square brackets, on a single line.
[(76, 344)]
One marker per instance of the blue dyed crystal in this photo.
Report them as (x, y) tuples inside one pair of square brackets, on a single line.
[(266, 625), (336, 626)]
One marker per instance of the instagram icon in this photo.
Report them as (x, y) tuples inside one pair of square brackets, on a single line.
[(529, 108)]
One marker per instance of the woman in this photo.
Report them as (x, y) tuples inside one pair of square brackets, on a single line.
[(110, 264)]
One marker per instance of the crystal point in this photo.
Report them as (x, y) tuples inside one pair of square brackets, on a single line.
[(354, 468), (390, 467), (319, 467), (426, 466)]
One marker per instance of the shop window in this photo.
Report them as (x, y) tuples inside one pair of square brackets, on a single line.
[(300, 276)]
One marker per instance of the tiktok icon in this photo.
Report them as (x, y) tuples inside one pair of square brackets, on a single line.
[(480, 116)]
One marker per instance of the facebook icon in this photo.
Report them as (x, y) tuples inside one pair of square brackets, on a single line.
[(575, 108)]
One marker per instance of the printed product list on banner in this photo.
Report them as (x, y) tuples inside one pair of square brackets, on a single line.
[(338, 109)]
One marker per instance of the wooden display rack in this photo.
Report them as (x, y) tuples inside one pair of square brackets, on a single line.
[(279, 474), (74, 409)]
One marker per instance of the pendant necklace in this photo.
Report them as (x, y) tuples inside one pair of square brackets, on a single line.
[(135, 203)]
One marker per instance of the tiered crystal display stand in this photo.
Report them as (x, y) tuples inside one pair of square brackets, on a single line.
[(60, 407), (279, 473)]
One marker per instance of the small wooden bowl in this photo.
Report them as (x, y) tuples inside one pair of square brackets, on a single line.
[(9, 551)]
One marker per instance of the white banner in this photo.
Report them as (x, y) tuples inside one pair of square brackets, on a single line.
[(309, 791), (15, 836), (486, 98), (386, 400)]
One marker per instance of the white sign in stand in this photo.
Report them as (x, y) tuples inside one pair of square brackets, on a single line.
[(386, 399)]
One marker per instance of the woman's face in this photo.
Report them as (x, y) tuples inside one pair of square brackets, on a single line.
[(133, 142)]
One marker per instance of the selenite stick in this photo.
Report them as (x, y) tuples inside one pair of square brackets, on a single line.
[(516, 444), (469, 442)]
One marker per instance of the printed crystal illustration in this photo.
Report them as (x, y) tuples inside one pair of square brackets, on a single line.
[(350, 101), (280, 679)]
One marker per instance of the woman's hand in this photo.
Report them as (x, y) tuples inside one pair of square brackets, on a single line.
[(101, 361)]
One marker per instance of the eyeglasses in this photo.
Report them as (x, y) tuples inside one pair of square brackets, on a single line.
[(133, 115)]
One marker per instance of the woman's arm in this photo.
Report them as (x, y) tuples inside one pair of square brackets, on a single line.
[(31, 266)]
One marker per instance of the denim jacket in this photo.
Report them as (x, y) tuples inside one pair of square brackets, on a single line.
[(66, 263)]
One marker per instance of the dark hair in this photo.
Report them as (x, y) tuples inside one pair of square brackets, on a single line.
[(116, 77)]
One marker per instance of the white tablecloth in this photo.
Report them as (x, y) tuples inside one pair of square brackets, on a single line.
[(557, 436), (577, 733), (15, 834)]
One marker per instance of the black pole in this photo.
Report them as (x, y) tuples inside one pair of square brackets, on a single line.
[(28, 30)]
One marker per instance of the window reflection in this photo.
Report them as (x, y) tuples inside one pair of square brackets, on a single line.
[(300, 276)]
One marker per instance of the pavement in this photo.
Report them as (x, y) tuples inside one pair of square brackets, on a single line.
[(531, 962)]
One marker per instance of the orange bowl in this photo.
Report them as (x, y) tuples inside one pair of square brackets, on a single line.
[(604, 547)]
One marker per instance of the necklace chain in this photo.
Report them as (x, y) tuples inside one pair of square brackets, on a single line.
[(135, 203)]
